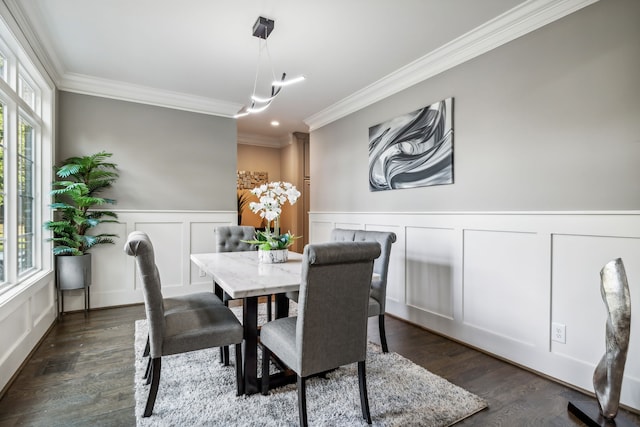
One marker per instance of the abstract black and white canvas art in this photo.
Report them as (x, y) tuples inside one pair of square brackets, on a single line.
[(413, 150)]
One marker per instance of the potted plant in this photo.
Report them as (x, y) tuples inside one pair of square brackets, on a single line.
[(273, 246), (244, 197), (76, 195)]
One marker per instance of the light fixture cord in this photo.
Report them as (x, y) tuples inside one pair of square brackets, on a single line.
[(255, 81), (273, 73)]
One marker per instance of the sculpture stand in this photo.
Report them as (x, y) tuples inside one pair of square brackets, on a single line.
[(589, 414)]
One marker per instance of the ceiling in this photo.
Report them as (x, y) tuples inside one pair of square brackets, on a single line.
[(200, 55)]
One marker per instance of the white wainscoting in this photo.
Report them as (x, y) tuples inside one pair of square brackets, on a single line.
[(175, 236), (498, 280), (25, 316)]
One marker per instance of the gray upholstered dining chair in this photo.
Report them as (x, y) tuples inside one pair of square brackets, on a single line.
[(193, 322), (230, 238), (378, 295), (330, 329)]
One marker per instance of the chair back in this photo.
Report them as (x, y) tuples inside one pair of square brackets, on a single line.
[(230, 238), (380, 265), (139, 245), (331, 328)]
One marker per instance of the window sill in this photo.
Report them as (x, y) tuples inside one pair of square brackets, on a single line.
[(26, 285)]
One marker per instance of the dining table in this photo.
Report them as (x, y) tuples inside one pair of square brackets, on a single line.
[(242, 276)]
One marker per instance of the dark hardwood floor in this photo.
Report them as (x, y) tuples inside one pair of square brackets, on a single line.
[(82, 375)]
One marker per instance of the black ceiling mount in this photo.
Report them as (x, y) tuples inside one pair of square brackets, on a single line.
[(263, 27)]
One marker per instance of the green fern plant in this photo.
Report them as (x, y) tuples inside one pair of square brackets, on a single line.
[(76, 194)]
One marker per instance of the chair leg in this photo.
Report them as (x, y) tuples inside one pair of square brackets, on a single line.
[(383, 335), (147, 348), (155, 382), (145, 353), (239, 376), (364, 399), (225, 352), (147, 371), (266, 355), (302, 401)]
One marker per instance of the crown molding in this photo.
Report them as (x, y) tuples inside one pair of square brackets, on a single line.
[(514, 23), (88, 85), (520, 20), (263, 141)]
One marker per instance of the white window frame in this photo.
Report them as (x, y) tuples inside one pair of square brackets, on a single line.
[(40, 115), (3, 73)]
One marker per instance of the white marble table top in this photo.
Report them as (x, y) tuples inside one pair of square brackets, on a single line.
[(241, 275)]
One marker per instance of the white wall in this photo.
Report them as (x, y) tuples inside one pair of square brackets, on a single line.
[(546, 191)]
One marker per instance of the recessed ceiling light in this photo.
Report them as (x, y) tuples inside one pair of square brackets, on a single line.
[(275, 123)]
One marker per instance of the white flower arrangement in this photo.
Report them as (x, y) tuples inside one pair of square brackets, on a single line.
[(271, 198)]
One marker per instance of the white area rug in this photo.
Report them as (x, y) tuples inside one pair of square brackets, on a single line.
[(196, 390)]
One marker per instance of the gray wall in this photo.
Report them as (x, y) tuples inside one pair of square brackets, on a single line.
[(168, 159), (550, 121)]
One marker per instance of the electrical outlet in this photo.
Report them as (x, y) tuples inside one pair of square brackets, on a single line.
[(201, 273), (558, 333)]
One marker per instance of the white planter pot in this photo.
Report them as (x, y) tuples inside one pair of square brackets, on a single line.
[(273, 256)]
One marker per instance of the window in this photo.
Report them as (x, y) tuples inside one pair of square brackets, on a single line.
[(25, 196), (2, 156), (26, 111), (26, 92), (3, 73)]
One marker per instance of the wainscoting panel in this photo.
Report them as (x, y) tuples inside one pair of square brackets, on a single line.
[(13, 330), (24, 319), (203, 236), (42, 302), (501, 294), (108, 276), (577, 262), (498, 280), (323, 230), (430, 264)]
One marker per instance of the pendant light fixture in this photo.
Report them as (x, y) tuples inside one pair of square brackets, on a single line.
[(261, 29)]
